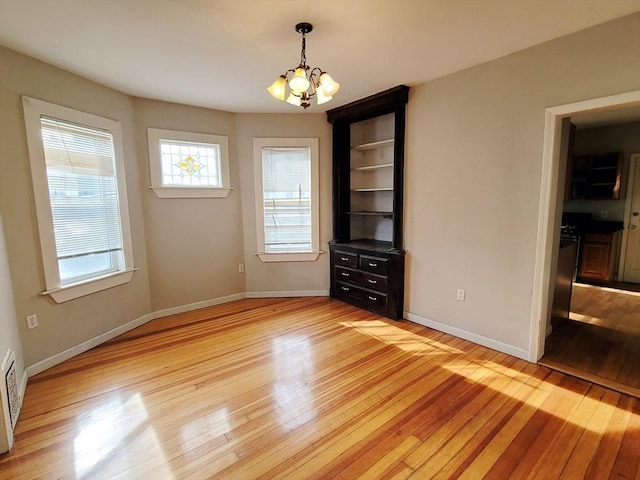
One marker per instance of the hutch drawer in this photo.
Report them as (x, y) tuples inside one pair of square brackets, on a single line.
[(346, 259), (363, 279), (375, 265), (367, 298)]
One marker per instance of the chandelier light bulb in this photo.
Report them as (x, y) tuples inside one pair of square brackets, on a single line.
[(329, 85), (278, 87), (299, 82), (322, 96), (293, 100)]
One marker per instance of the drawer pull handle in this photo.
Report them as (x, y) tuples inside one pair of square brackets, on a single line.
[(344, 274), (344, 259), (373, 264), (373, 299), (373, 281), (345, 289)]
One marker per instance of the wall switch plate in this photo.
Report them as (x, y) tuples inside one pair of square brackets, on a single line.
[(604, 214), (460, 295), (241, 268), (32, 321)]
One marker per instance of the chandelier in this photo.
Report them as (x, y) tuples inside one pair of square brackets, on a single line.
[(303, 81)]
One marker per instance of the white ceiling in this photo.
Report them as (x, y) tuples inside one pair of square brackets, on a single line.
[(223, 54)]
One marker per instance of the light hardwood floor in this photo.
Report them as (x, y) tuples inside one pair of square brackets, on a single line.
[(601, 342), (313, 388)]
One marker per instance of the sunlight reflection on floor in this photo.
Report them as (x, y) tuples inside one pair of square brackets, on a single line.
[(403, 339), (485, 372), (293, 360), (115, 426)]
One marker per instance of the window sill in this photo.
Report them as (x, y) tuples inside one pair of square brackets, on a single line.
[(87, 287), (288, 257), (191, 192)]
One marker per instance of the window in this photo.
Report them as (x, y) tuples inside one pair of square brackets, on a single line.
[(286, 182), (188, 165), (77, 168)]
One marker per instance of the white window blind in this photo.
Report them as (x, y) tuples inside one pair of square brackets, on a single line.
[(286, 187), (83, 192)]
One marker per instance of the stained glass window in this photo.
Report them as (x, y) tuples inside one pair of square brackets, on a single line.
[(190, 164)]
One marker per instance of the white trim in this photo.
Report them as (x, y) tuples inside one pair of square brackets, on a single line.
[(87, 287), (58, 358), (198, 305), (634, 165), (472, 337), (291, 293), (288, 257), (154, 135), (33, 110), (540, 310)]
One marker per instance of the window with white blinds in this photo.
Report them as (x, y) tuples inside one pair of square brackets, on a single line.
[(286, 198), (84, 199), (286, 191), (77, 167)]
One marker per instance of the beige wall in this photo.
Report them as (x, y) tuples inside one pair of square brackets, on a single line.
[(194, 246), (290, 276), (473, 175), (64, 325)]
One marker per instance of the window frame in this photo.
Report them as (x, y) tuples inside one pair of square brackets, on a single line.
[(155, 135), (34, 109), (312, 145)]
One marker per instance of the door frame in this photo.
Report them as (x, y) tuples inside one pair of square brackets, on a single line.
[(547, 242), (634, 170)]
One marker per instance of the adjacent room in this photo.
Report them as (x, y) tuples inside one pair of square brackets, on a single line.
[(331, 239)]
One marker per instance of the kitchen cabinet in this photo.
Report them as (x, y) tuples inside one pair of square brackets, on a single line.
[(598, 257), (594, 177), (367, 256)]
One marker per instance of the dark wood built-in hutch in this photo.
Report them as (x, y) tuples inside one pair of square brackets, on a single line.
[(367, 255)]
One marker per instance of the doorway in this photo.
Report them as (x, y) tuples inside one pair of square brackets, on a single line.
[(630, 250), (551, 204)]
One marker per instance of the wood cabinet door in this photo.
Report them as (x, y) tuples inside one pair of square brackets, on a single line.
[(595, 261)]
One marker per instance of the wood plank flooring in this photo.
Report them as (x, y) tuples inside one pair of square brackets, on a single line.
[(601, 342), (312, 388)]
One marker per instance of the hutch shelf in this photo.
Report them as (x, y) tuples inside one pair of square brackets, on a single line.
[(367, 256)]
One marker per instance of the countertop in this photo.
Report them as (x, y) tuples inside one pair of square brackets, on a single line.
[(602, 226)]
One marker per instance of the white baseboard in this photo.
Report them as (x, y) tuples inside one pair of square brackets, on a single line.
[(198, 305), (292, 293), (58, 358), (472, 337)]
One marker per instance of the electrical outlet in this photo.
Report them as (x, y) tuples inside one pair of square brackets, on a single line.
[(32, 321), (241, 268), (460, 295), (604, 214)]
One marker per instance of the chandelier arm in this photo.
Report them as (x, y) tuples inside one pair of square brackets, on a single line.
[(315, 74)]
